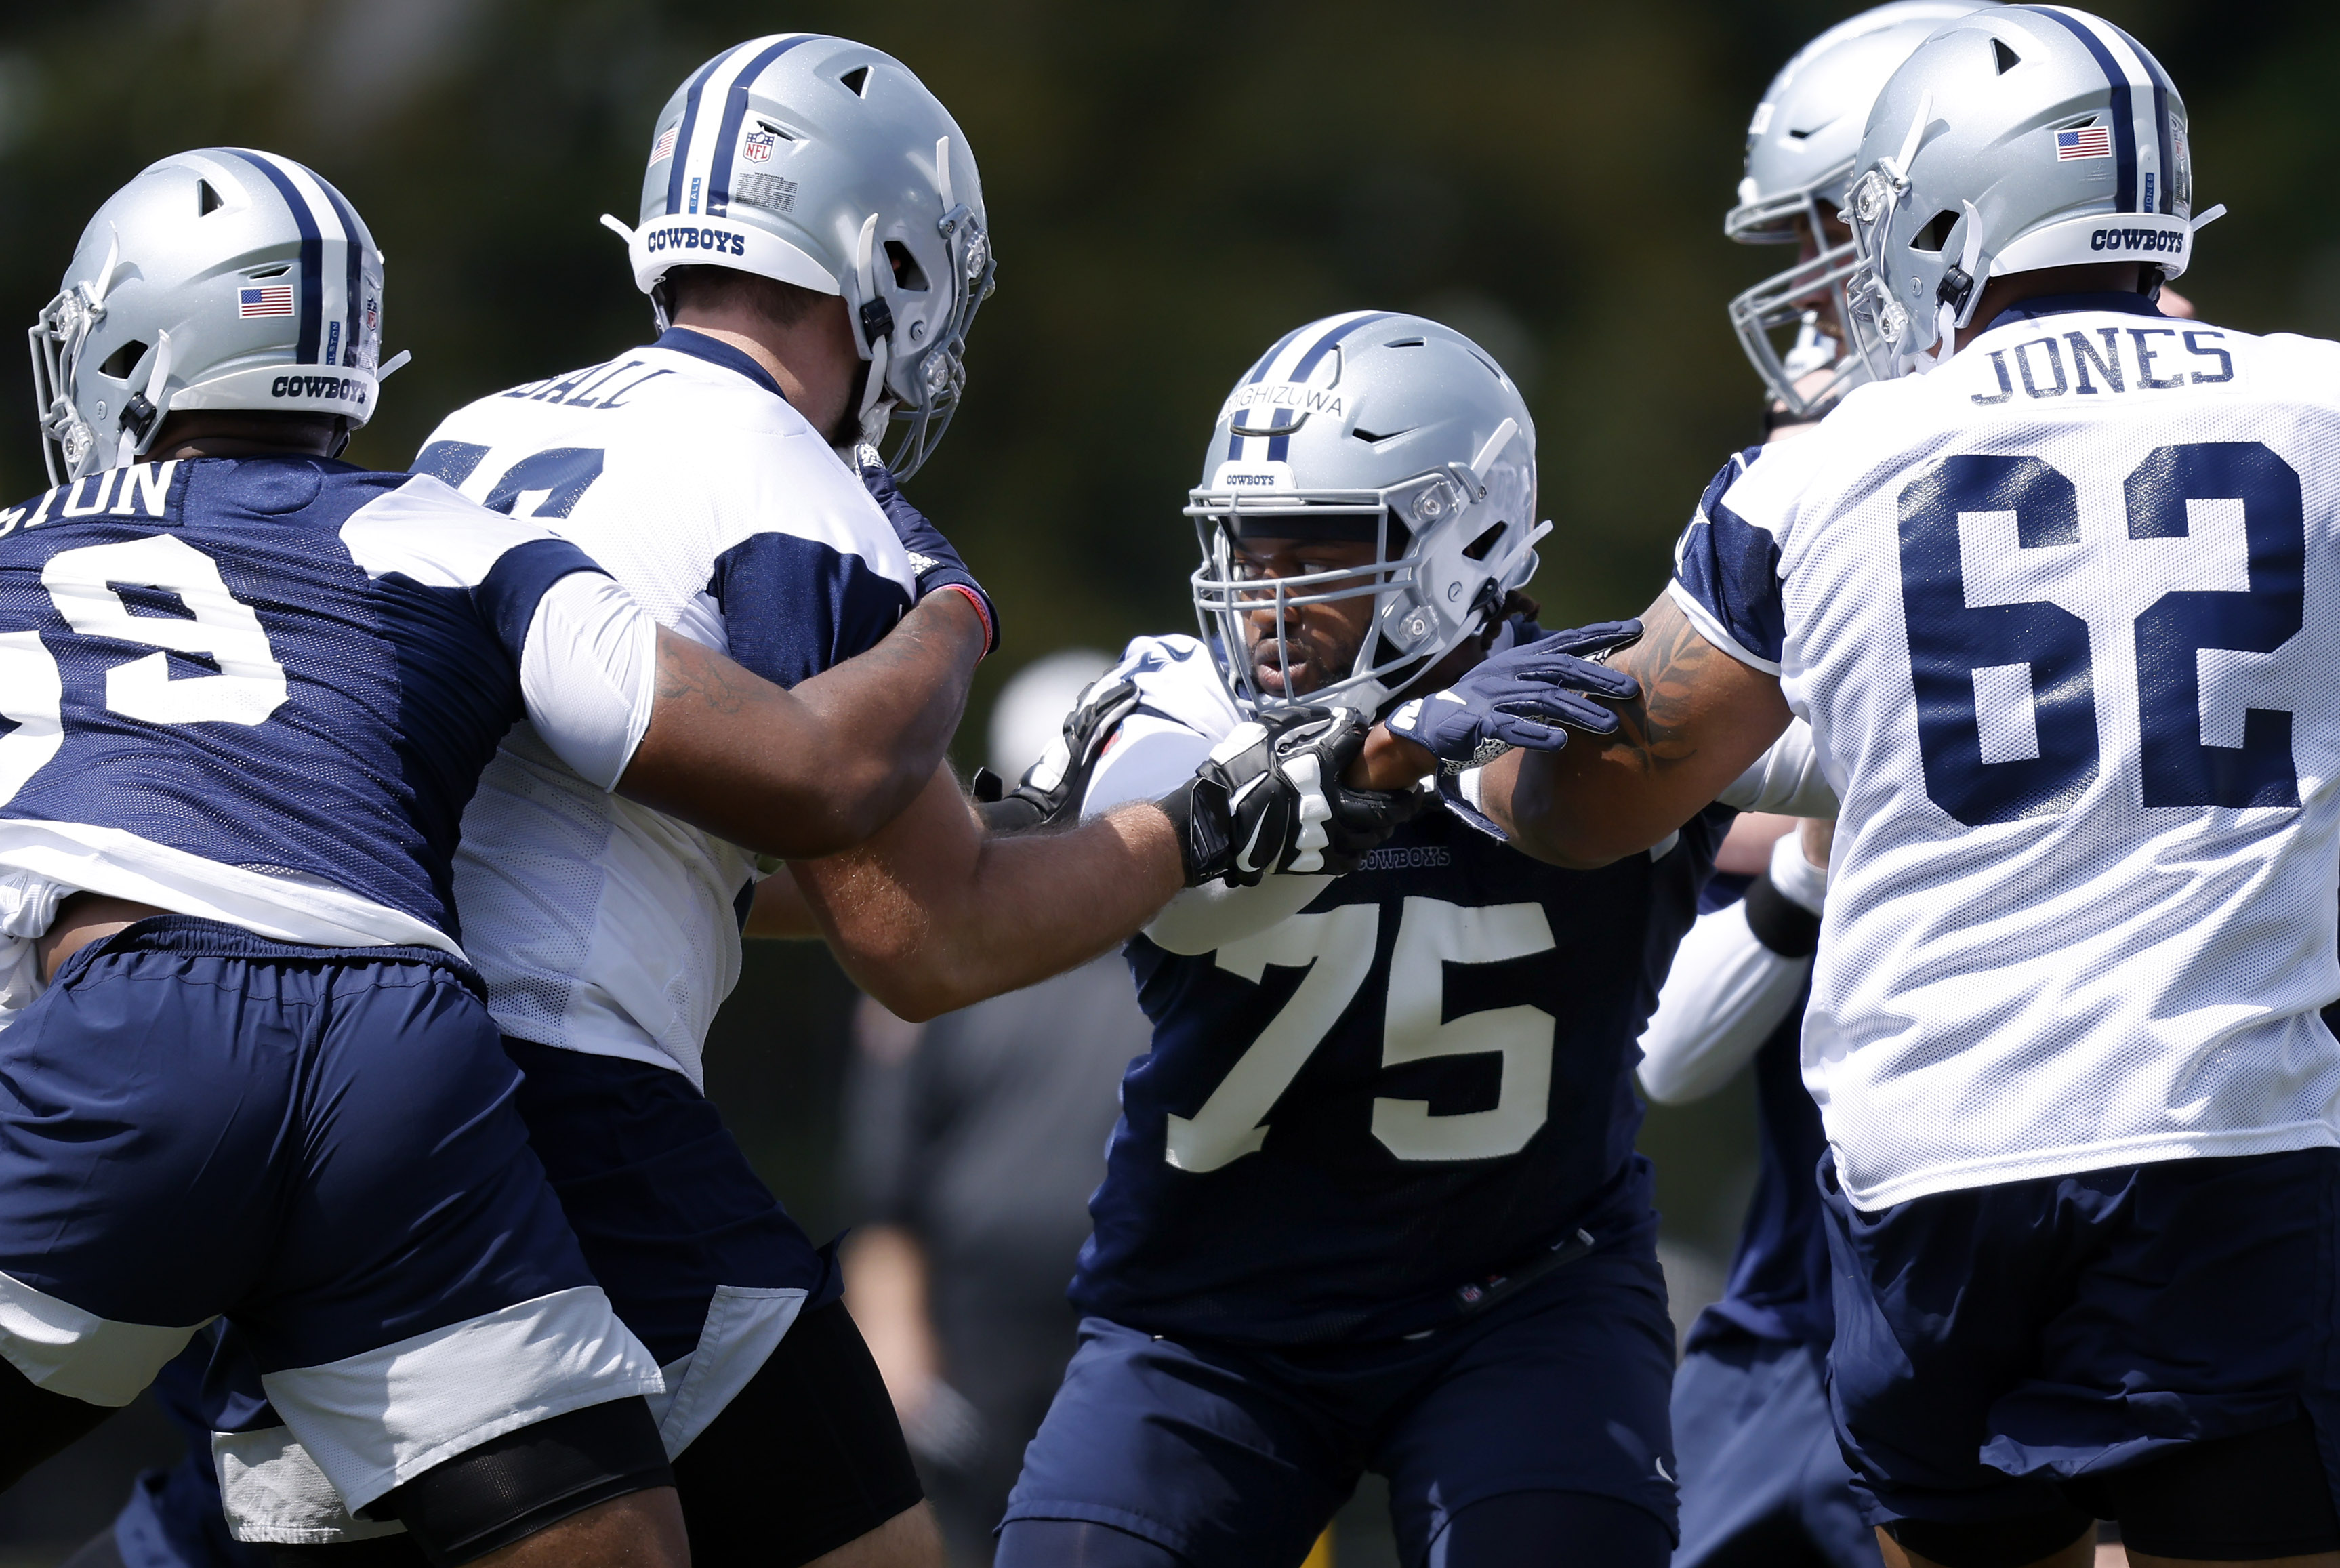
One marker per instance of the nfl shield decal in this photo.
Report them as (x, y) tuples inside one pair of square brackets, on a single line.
[(758, 147)]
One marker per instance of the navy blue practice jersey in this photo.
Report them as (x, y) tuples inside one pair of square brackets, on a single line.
[(260, 690), (1353, 1118)]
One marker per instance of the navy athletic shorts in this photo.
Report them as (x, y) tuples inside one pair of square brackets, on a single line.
[(1762, 1478), (1236, 1456), (672, 1217), (321, 1145), (1995, 1343), (698, 1259)]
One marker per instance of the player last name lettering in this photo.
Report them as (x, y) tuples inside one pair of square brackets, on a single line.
[(2085, 362)]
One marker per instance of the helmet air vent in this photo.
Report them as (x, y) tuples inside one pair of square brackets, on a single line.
[(1479, 548), (1936, 234), (857, 81), (207, 201), (275, 272), (1370, 439), (122, 360), (1404, 343), (2007, 58), (908, 276)]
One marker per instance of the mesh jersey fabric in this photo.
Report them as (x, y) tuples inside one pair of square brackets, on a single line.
[(261, 690), (600, 925), (2061, 614), (1374, 1101)]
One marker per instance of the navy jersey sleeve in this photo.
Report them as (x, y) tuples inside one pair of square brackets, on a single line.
[(1727, 570), (793, 607), (507, 597)]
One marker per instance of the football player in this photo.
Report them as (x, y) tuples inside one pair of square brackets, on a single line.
[(813, 240), (1760, 1466), (1373, 1203), (2046, 594), (248, 690)]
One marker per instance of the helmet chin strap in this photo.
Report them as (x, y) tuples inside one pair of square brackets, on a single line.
[(877, 329)]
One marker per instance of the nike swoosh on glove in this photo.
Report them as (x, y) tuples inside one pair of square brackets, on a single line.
[(1052, 789), (932, 562), (1270, 799), (1529, 696)]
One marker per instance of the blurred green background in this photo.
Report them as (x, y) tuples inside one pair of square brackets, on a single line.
[(1171, 186)]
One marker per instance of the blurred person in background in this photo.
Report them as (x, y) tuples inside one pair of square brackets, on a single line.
[(1762, 1481), (1761, 1478), (972, 1144)]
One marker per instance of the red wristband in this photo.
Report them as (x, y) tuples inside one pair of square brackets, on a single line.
[(982, 611)]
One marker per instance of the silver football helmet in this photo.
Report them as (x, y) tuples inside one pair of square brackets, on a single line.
[(1800, 147), (826, 163), (1385, 429), (2018, 138), (218, 279)]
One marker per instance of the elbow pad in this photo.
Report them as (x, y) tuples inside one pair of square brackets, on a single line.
[(588, 674), (1783, 904)]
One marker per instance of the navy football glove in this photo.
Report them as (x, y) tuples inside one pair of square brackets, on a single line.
[(1528, 695), (1270, 799), (1052, 789), (932, 562)]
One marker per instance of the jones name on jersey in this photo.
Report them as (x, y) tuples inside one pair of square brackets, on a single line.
[(2061, 616), (1369, 1095)]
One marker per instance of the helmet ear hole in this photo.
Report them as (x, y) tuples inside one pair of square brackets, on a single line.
[(122, 360), (1936, 234), (1479, 548), (908, 276)]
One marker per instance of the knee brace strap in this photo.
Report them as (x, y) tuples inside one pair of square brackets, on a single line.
[(512, 1487), (1997, 1542)]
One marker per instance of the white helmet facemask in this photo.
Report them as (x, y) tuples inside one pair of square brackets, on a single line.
[(2020, 139), (1801, 150), (1370, 427), (218, 279)]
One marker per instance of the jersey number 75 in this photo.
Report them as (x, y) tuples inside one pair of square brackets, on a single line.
[(1336, 947)]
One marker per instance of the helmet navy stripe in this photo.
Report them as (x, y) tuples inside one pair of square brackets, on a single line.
[(1278, 446), (2161, 124), (354, 247), (313, 257), (1258, 374), (682, 138), (735, 112), (2123, 112), (2163, 87)]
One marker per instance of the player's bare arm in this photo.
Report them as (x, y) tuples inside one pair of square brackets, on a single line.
[(817, 768), (1701, 720), (933, 913)]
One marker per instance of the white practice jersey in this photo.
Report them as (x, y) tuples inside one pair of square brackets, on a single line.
[(2065, 618), (602, 926)]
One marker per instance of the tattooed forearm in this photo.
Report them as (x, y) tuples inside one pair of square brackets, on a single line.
[(1702, 717), (688, 673), (1659, 729)]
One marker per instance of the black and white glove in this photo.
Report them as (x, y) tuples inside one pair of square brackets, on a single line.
[(1269, 797), (1052, 789)]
